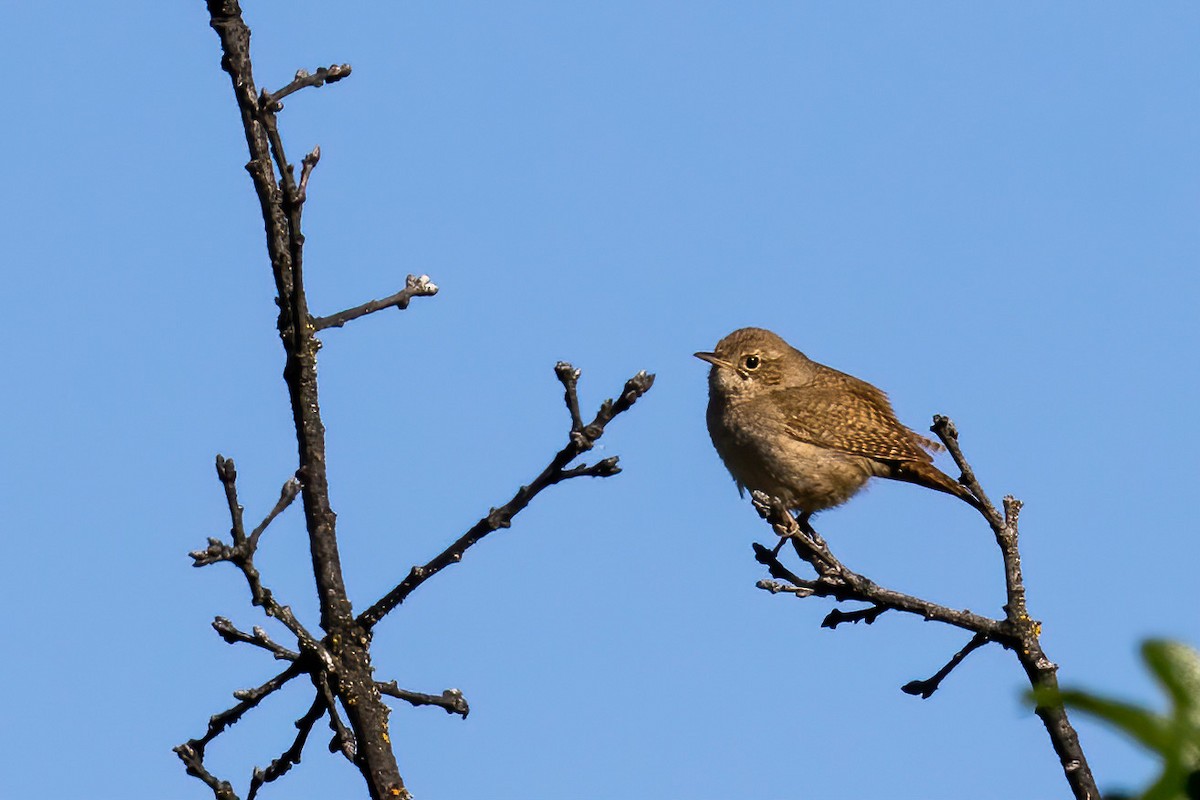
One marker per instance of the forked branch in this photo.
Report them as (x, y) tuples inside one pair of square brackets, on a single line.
[(1015, 631), (337, 660), (579, 441)]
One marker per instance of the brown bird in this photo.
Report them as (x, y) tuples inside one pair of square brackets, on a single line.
[(805, 433)]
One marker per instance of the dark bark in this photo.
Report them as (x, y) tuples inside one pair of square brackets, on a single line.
[(1016, 631), (338, 660)]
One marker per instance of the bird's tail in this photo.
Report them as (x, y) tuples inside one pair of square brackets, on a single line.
[(925, 474)]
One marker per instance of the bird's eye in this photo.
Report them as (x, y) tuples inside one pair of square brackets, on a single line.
[(751, 362)]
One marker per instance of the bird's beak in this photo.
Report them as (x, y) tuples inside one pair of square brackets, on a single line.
[(712, 359)]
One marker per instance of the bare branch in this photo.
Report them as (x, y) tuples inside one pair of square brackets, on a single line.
[(291, 488), (414, 286), (947, 432), (849, 585), (868, 615), (343, 739), (925, 689), (307, 165), (290, 757), (227, 472), (604, 468), (1016, 632), (570, 380), (241, 555), (304, 79), (339, 662), (579, 442), (451, 700), (194, 765), (192, 751), (259, 638), (801, 589)]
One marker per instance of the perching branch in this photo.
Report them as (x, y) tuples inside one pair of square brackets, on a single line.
[(1016, 631), (838, 581)]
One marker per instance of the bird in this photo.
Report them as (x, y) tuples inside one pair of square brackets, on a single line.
[(806, 433)]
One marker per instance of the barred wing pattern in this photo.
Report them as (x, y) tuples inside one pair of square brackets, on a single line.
[(855, 418)]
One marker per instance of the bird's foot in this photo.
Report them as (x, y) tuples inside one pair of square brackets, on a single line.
[(802, 519)]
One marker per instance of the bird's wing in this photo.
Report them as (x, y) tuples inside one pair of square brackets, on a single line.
[(854, 417)]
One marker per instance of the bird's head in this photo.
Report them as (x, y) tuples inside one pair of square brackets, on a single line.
[(750, 361)]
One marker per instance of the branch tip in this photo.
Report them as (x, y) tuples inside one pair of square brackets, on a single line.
[(606, 467), (580, 439), (421, 285), (635, 387), (414, 286), (944, 427), (270, 101), (868, 615), (1012, 510), (307, 165), (226, 470), (450, 700), (567, 373), (291, 488)]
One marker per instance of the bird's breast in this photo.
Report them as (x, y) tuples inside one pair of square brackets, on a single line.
[(762, 455)]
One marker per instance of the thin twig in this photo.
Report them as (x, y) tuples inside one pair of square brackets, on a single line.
[(569, 376), (414, 286), (947, 432), (925, 689), (290, 757), (307, 165), (605, 468), (194, 766), (227, 472), (192, 751), (343, 739), (451, 700), (241, 555), (287, 494), (579, 442), (293, 331), (259, 638), (304, 79), (868, 615)]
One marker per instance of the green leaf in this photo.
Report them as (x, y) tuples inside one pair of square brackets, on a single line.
[(1149, 729), (1175, 736), (1177, 668)]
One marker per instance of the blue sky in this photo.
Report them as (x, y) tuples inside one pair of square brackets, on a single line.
[(988, 211)]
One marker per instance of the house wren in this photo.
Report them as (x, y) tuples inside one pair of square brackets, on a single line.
[(805, 433)]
